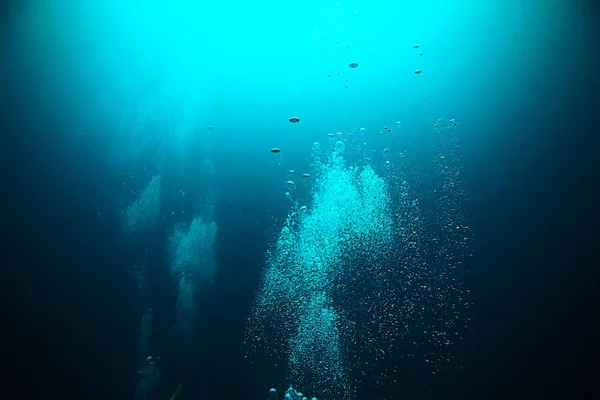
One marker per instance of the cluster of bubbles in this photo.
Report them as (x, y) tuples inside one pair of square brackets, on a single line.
[(290, 394), (145, 210), (192, 264), (349, 214), (368, 274), (191, 248), (315, 354)]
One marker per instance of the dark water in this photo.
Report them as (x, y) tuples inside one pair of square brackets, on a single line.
[(70, 306)]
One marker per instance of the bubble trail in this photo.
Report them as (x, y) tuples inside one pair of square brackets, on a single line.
[(193, 266), (143, 212), (367, 275)]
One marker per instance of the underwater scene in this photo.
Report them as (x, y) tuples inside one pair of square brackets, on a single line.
[(332, 200)]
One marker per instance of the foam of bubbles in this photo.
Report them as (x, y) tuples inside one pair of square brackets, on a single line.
[(368, 274), (350, 213), (192, 265), (315, 353), (143, 212), (191, 250)]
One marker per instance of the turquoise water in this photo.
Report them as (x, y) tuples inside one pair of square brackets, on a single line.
[(346, 262)]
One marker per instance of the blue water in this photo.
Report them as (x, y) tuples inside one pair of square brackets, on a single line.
[(430, 252)]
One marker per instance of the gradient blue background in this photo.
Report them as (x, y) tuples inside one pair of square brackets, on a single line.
[(520, 77)]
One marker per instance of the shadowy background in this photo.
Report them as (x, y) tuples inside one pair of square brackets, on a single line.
[(535, 284)]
